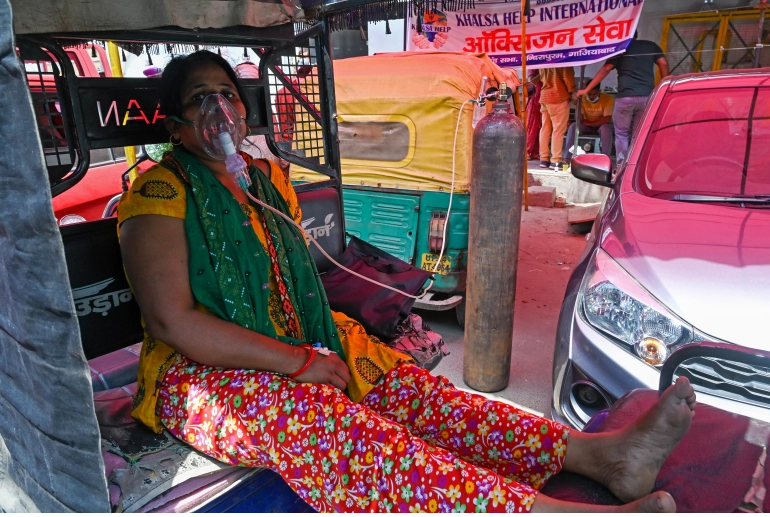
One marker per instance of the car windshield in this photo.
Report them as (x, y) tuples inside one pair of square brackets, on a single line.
[(711, 142)]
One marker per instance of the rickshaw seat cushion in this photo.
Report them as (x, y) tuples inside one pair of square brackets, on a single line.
[(711, 469), (115, 369), (108, 314), (322, 218)]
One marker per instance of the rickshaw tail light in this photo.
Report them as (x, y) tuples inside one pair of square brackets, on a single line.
[(436, 234)]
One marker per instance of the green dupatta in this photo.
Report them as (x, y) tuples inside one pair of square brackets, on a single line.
[(229, 267)]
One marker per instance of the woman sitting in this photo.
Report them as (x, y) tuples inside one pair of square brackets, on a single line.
[(231, 301)]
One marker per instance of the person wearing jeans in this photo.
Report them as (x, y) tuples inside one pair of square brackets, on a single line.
[(558, 87), (627, 114), (595, 119), (636, 80)]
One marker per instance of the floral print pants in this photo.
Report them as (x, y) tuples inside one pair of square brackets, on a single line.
[(415, 443)]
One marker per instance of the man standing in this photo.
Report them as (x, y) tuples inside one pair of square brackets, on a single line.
[(595, 119), (636, 80), (555, 96)]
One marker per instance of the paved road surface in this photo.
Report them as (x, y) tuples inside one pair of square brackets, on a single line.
[(547, 253)]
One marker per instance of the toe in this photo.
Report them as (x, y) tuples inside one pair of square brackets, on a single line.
[(682, 389), (691, 401), (659, 502)]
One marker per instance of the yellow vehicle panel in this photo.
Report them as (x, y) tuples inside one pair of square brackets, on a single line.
[(397, 115)]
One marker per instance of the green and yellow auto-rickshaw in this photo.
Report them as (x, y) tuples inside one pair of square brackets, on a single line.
[(405, 150)]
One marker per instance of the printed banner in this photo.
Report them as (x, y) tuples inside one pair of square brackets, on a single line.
[(559, 32)]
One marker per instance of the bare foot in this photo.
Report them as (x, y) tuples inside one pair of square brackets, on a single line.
[(659, 502), (634, 458)]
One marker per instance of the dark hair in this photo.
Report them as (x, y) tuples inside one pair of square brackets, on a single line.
[(178, 70), (597, 87)]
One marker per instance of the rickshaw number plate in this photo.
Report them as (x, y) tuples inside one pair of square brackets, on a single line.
[(429, 262)]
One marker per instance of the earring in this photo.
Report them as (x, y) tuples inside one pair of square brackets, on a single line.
[(171, 141), (248, 131)]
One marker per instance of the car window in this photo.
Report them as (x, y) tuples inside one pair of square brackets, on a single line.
[(709, 142)]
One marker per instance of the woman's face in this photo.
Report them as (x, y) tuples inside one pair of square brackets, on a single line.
[(204, 80)]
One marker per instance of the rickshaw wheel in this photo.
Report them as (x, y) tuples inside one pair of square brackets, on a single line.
[(460, 313)]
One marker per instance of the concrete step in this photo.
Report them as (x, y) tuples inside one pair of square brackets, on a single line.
[(542, 196), (583, 214)]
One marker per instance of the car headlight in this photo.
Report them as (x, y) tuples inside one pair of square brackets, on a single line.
[(616, 304)]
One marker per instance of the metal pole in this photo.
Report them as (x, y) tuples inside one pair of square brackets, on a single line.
[(578, 109), (524, 13), (407, 28), (117, 71), (758, 49), (493, 248)]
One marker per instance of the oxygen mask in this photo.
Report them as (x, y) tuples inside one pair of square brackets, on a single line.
[(220, 130)]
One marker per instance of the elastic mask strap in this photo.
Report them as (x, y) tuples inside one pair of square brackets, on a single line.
[(181, 120)]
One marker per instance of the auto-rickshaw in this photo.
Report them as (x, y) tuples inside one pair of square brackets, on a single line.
[(65, 298), (405, 128), (67, 311)]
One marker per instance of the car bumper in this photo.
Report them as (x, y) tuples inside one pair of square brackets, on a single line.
[(585, 356)]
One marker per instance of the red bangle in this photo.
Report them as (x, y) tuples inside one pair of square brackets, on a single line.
[(313, 352)]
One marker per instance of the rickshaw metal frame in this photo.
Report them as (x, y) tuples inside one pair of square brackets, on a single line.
[(276, 39), (68, 86), (76, 130), (328, 116)]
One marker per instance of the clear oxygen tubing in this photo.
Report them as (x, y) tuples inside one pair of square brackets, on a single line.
[(454, 158), (244, 187), (214, 125), (452, 188), (311, 239), (478, 110)]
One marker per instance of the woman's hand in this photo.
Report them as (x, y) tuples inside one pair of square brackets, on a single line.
[(326, 369)]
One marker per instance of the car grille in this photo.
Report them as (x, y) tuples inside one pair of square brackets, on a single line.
[(728, 379)]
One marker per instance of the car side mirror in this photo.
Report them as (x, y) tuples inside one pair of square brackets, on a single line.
[(593, 168)]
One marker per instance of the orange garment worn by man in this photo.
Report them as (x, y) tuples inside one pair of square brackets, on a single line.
[(285, 106), (558, 88)]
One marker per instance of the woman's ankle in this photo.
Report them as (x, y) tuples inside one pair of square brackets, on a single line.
[(588, 454)]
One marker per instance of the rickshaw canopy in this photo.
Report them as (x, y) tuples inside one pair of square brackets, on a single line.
[(73, 16), (50, 456), (397, 115), (77, 16)]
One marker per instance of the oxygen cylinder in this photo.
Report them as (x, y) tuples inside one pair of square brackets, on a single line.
[(493, 247)]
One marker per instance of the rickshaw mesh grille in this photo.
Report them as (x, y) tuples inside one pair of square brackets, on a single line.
[(295, 100), (43, 79)]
